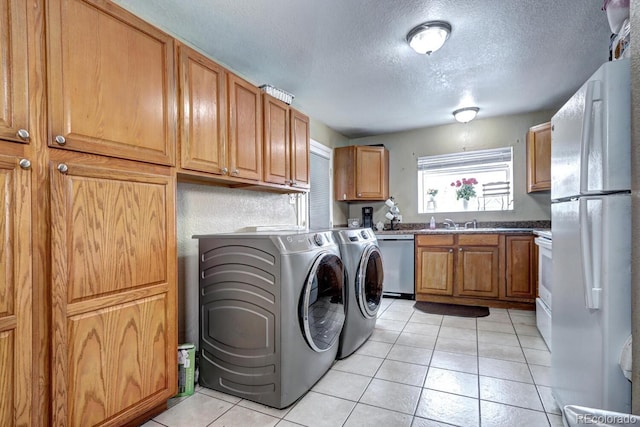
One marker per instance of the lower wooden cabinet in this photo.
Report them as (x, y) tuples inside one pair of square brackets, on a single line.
[(113, 290), (16, 380), (476, 269)]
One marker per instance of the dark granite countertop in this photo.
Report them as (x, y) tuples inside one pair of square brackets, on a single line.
[(518, 227)]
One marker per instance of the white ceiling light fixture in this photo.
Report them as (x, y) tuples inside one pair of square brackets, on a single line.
[(465, 115), (428, 37)]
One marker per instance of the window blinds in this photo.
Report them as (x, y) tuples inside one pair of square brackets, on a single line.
[(319, 193), (466, 159)]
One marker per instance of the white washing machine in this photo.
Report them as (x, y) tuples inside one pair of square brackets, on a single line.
[(363, 264), (271, 313)]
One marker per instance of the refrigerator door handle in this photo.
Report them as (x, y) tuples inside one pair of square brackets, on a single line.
[(591, 292), (592, 95)]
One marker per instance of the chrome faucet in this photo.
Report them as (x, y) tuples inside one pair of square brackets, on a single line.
[(448, 223), (474, 223)]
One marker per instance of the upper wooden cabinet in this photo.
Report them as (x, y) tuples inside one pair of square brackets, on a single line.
[(539, 158), (16, 379), (110, 79), (14, 71), (361, 172), (203, 105), (113, 289), (286, 144), (245, 129)]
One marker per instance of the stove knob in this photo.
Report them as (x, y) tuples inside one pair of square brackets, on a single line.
[(318, 239)]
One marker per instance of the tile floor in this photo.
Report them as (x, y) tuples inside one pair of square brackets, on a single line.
[(418, 370)]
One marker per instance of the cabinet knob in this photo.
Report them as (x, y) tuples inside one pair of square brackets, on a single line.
[(235, 172), (60, 140), (359, 194), (23, 134), (225, 171), (450, 251), (25, 163), (459, 249), (292, 182), (62, 168)]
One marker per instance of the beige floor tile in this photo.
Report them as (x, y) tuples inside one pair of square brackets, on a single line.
[(384, 336), (503, 352), (416, 340), (342, 384), (422, 329), (498, 338), (151, 423), (548, 401), (497, 415), (537, 357), (274, 412), (393, 396), (451, 345), (541, 374), (457, 333), (532, 342), (404, 353), (375, 349), (366, 416), (449, 408), (359, 364), (219, 395), (487, 325), (455, 361), (197, 410), (459, 322), (496, 316), (242, 417), (510, 393), (555, 420), (431, 319), (402, 315), (528, 330), (454, 382), (319, 410), (523, 320), (390, 325), (423, 422), (402, 372), (505, 369)]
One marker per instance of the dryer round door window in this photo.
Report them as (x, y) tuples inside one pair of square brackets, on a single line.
[(369, 281), (322, 302)]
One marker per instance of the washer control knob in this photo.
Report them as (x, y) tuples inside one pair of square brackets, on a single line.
[(364, 234), (318, 239)]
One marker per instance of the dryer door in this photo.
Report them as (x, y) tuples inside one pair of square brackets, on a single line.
[(322, 309), (369, 281)]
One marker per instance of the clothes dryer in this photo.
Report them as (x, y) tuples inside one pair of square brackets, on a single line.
[(272, 310), (363, 264)]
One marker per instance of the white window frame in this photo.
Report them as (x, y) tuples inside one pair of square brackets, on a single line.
[(322, 150), (463, 164)]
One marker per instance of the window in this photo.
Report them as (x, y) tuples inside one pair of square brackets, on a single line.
[(488, 174)]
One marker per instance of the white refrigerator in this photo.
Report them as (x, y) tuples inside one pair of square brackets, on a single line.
[(591, 228)]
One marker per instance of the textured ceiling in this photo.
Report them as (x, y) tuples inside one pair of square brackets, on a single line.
[(349, 66)]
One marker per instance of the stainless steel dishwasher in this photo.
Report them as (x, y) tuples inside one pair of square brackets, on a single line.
[(397, 262)]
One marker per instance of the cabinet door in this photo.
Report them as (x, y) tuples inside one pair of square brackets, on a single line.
[(203, 113), (478, 272), (372, 173), (16, 380), (434, 270), (276, 140), (245, 129), (299, 149), (111, 82), (113, 292), (14, 90), (522, 267), (539, 158)]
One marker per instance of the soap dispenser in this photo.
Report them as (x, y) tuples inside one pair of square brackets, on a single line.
[(432, 223)]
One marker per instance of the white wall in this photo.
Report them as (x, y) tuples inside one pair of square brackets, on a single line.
[(405, 148), (204, 210)]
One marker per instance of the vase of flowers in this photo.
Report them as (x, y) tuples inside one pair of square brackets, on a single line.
[(465, 189), (432, 192)]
